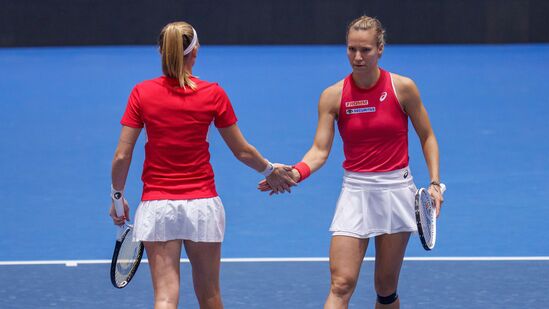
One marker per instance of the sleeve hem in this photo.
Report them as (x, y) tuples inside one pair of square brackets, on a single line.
[(131, 125), (225, 125)]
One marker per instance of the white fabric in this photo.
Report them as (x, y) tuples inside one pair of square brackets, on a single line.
[(199, 220), (372, 204), (268, 170)]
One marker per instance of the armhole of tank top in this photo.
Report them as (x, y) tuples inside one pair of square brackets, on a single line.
[(396, 94), (341, 108)]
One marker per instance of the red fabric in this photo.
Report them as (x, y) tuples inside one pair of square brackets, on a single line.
[(373, 127), (177, 159), (303, 169)]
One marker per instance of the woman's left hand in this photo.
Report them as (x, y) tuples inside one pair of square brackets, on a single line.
[(280, 179), (436, 194)]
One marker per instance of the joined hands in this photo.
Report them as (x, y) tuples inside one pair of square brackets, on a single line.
[(281, 180)]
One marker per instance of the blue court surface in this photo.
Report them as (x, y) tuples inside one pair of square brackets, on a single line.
[(59, 125)]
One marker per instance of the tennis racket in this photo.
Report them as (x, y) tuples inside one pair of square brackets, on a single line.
[(426, 217), (127, 253)]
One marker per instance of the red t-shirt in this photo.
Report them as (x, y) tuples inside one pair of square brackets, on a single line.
[(373, 127), (177, 159)]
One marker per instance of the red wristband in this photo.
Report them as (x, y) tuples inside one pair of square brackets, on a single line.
[(303, 169)]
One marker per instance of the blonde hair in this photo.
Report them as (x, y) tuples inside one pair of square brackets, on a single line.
[(366, 23), (173, 40)]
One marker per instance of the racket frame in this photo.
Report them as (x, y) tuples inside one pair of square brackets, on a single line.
[(419, 224), (123, 231), (417, 206)]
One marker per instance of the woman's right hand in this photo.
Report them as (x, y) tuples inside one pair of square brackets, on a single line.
[(281, 179), (264, 185), (120, 220)]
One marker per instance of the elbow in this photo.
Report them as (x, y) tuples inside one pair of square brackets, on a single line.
[(120, 156), (321, 157)]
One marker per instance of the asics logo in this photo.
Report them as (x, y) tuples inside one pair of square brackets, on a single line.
[(383, 96)]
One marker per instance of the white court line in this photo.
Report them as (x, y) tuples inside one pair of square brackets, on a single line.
[(301, 259)]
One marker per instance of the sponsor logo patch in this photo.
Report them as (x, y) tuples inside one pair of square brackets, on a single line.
[(361, 110), (356, 103)]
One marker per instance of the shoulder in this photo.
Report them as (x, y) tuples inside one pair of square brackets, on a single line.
[(403, 83), (211, 91), (331, 96), (406, 90), (333, 90), (154, 82), (211, 87), (404, 86)]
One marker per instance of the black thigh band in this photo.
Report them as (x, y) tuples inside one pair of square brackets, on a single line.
[(386, 300)]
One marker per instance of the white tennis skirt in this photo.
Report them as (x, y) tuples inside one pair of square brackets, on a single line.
[(372, 204), (199, 220)]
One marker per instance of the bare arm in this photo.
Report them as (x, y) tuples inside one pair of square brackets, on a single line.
[(241, 149), (123, 156), (121, 165), (247, 154), (412, 105), (328, 107)]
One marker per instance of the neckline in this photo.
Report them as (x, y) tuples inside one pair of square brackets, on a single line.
[(376, 84), (174, 80)]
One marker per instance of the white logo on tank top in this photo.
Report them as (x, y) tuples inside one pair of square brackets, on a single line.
[(361, 110), (356, 103), (383, 96)]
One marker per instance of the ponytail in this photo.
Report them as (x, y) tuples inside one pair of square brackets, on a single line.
[(172, 42)]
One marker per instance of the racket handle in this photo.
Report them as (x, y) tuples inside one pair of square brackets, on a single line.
[(119, 205), (442, 187)]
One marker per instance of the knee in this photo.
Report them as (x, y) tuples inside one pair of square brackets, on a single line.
[(386, 284), (209, 300), (208, 294), (166, 301), (342, 287), (166, 296)]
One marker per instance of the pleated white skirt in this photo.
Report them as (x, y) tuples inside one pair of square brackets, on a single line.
[(199, 220), (372, 204)]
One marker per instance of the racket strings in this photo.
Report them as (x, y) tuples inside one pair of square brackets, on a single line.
[(427, 213), (127, 258)]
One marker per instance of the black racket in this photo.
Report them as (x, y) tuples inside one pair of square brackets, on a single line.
[(426, 217), (127, 253)]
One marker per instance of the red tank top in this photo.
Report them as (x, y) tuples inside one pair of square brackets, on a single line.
[(373, 127)]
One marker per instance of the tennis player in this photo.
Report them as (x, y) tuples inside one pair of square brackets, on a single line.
[(180, 205), (371, 107)]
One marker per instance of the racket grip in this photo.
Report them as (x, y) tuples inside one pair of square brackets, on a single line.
[(119, 206), (442, 187)]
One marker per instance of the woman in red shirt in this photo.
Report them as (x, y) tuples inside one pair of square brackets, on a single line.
[(180, 205), (371, 107)]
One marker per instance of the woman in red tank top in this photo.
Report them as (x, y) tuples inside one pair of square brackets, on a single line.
[(372, 108)]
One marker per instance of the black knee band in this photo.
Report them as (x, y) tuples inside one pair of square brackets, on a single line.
[(386, 300)]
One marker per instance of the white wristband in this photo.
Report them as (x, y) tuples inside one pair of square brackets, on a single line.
[(268, 171), (115, 194)]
